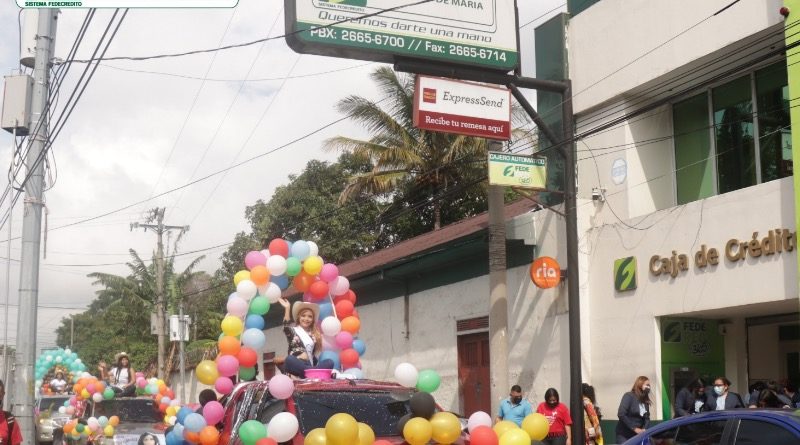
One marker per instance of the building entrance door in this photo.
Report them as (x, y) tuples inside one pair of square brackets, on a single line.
[(473, 372)]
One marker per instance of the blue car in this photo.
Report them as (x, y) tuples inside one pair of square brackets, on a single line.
[(732, 427)]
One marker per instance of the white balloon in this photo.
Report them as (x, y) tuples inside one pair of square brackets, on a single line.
[(478, 418), (265, 252), (329, 343), (262, 290), (62, 409), (332, 326), (313, 249), (276, 265), (254, 339), (406, 374), (273, 293), (97, 397), (340, 285), (67, 351), (283, 427), (246, 289)]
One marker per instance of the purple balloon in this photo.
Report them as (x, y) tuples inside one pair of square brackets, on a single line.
[(254, 258), (329, 272)]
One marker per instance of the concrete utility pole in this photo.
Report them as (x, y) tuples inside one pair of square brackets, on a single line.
[(22, 389), (157, 216), (498, 298)]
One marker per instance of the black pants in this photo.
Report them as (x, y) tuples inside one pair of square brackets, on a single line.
[(128, 391), (558, 440)]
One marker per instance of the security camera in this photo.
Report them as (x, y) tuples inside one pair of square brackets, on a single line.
[(598, 194)]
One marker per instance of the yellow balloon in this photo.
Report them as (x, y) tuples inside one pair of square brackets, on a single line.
[(365, 434), (241, 275), (503, 426), (232, 325), (108, 431), (536, 426), (316, 437), (417, 431), (312, 265), (446, 427), (341, 429), (85, 394), (207, 372), (516, 436)]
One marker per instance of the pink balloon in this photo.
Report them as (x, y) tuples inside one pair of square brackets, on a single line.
[(344, 340), (90, 387), (254, 258), (223, 385), (281, 386), (340, 286), (141, 382), (227, 365), (329, 272), (139, 374), (237, 306), (213, 412)]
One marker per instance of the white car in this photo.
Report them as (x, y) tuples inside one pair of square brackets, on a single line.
[(48, 418)]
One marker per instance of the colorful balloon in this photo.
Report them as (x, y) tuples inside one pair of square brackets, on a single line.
[(417, 431), (536, 426), (341, 429), (428, 380)]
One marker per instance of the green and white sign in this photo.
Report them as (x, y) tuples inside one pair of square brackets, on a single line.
[(517, 171), (479, 33)]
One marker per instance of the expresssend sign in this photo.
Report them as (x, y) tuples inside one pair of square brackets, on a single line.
[(454, 106)]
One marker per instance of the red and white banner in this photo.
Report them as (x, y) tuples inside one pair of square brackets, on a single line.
[(454, 106)]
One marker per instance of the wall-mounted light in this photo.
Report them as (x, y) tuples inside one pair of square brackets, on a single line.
[(784, 11)]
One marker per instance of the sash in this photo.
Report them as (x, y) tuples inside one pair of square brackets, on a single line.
[(308, 342)]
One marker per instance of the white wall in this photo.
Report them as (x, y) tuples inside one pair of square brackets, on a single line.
[(614, 33)]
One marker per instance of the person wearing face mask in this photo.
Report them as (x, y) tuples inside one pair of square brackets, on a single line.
[(634, 410), (690, 399), (514, 408), (721, 398), (557, 415)]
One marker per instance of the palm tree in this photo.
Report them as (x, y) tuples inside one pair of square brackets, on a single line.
[(405, 158)]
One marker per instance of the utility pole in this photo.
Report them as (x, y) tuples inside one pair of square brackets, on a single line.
[(71, 330), (22, 389), (498, 297), (157, 216)]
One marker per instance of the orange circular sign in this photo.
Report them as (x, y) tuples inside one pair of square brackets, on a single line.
[(545, 272)]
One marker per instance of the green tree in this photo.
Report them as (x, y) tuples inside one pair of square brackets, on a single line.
[(413, 167)]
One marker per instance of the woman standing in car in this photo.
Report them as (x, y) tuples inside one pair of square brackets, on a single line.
[(634, 410)]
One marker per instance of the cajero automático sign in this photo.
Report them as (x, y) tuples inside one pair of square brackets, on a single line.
[(517, 170), (545, 272), (480, 33)]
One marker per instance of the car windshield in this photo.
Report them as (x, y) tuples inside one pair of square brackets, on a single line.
[(51, 404), (381, 410), (128, 410)]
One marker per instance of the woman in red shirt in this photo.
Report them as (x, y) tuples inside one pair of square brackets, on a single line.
[(558, 417)]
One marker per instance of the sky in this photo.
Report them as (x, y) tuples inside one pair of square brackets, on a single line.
[(144, 128)]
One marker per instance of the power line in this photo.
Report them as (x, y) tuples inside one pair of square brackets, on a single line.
[(260, 79), (537, 18)]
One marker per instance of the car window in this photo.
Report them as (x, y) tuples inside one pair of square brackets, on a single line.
[(51, 404), (752, 432), (381, 410), (128, 410), (700, 433), (666, 437)]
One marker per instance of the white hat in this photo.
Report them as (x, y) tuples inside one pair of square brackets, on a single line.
[(301, 305)]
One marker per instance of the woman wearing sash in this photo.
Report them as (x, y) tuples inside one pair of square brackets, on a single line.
[(304, 338)]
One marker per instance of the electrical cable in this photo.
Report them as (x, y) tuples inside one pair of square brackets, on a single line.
[(548, 12)]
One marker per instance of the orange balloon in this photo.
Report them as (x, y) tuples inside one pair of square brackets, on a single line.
[(77, 388), (229, 345), (113, 420), (209, 435), (351, 324), (191, 437), (259, 275), (303, 281), (69, 427), (162, 389)]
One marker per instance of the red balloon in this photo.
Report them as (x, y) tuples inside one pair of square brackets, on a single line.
[(349, 295), (163, 407), (318, 289), (303, 281), (344, 309), (279, 247), (247, 357), (349, 358), (483, 435), (170, 394), (266, 441)]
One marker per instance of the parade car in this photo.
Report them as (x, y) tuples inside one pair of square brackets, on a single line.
[(731, 427), (137, 416), (48, 418), (380, 405)]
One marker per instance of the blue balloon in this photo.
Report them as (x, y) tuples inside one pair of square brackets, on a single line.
[(325, 310), (173, 439), (254, 321), (359, 346), (332, 356), (234, 294), (301, 250), (194, 422), (281, 281), (178, 430), (182, 413), (254, 339)]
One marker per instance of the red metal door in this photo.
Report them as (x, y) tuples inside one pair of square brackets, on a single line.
[(473, 372)]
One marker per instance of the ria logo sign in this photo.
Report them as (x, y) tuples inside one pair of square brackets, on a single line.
[(545, 272), (625, 274)]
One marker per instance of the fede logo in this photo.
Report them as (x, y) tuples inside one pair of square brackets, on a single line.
[(545, 272)]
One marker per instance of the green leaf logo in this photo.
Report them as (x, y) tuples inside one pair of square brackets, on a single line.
[(509, 171), (625, 274)]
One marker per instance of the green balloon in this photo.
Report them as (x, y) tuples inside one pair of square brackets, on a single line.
[(259, 306), (247, 374), (252, 431), (428, 380), (108, 393), (293, 266)]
